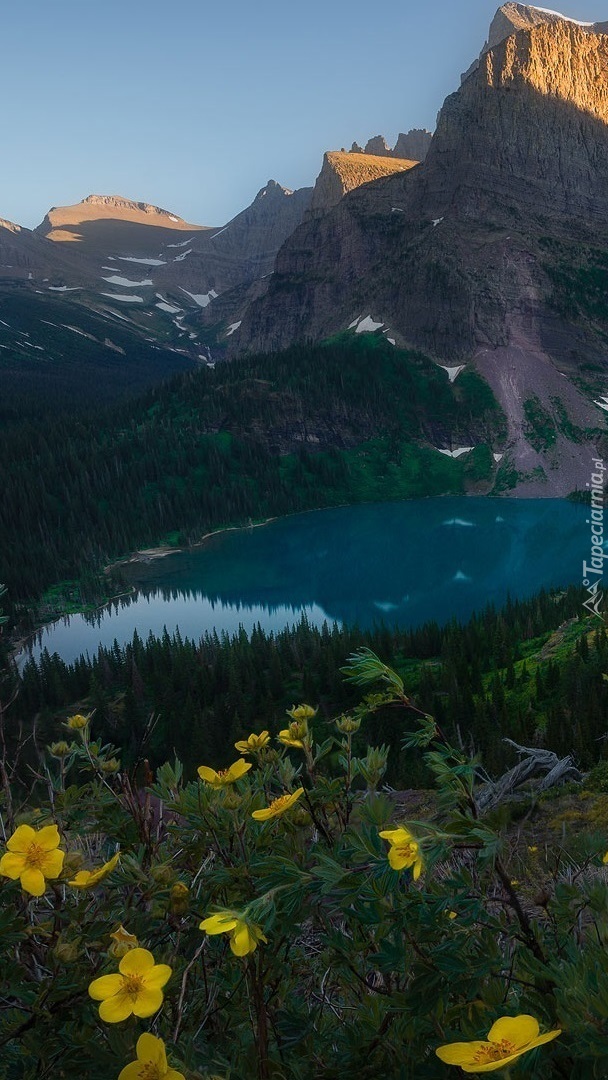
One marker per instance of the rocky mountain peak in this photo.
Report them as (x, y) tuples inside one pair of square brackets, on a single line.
[(343, 172), (10, 226), (119, 202), (273, 189), (511, 18)]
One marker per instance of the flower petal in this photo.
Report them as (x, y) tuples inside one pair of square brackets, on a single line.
[(21, 839), (149, 1048), (132, 1071), (492, 1066), (147, 1002), (460, 1053), (116, 1008), (238, 769), (48, 838), (207, 774), (518, 1030), (547, 1037), (396, 836), (32, 881), (12, 864), (262, 815), (172, 1074), (105, 986), (136, 962), (82, 879), (218, 924), (241, 941), (52, 864), (157, 977)]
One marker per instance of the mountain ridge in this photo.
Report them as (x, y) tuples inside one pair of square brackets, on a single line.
[(449, 257)]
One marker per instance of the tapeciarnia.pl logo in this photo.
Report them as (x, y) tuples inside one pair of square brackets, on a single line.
[(593, 571)]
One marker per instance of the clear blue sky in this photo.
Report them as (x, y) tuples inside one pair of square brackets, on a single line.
[(194, 105)]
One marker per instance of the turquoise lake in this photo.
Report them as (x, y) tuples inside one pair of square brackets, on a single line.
[(398, 563)]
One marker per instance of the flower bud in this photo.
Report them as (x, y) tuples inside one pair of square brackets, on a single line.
[(179, 899), (77, 722), (110, 766), (347, 725), (302, 712), (122, 942), (60, 749), (66, 952)]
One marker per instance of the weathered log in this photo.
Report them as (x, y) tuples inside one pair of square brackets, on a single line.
[(533, 764)]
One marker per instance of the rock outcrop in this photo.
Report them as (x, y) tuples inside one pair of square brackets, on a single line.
[(511, 17), (377, 146), (414, 144), (342, 172), (476, 256)]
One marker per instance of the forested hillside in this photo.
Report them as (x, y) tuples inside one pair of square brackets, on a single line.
[(532, 672), (349, 421)]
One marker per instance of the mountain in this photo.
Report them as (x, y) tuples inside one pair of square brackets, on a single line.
[(492, 254), (116, 272), (107, 224), (342, 172)]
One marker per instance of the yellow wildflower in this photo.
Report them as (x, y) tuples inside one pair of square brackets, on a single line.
[(137, 989), (224, 776), (77, 722), (295, 735), (508, 1038), (122, 942), (87, 879), (278, 806), (532, 849), (404, 850), (33, 857), (244, 936), (605, 858), (302, 712), (253, 742), (151, 1062)]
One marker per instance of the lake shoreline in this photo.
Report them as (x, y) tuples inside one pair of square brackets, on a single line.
[(162, 551), (145, 555), (282, 558)]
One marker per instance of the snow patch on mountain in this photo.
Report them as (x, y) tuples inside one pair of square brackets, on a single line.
[(144, 262), (116, 279), (548, 11), (124, 299), (457, 452), (202, 299), (367, 325)]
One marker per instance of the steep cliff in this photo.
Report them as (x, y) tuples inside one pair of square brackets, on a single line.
[(413, 144), (342, 172), (476, 256)]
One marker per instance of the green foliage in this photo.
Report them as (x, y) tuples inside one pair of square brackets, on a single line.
[(228, 446), (532, 671), (541, 431), (352, 963)]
